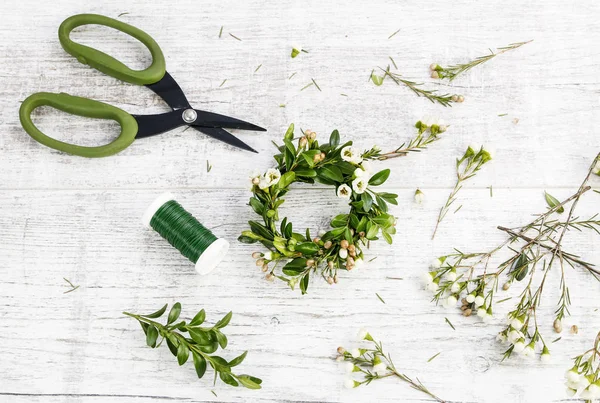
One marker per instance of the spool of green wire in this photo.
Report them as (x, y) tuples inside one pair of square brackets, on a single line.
[(185, 233)]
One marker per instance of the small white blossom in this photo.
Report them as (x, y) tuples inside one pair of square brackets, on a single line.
[(272, 176), (584, 382), (514, 335), (470, 298), (350, 383), (355, 353), (501, 337), (529, 351), (380, 368), (585, 395), (451, 275), (516, 323), (481, 312), (348, 367), (455, 288), (362, 334), (428, 277), (419, 196), (433, 287), (359, 185), (436, 263), (546, 357), (343, 253), (451, 301), (571, 392), (594, 390), (264, 183), (519, 346), (479, 301), (344, 191), (351, 155)]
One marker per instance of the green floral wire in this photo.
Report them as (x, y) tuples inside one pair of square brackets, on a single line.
[(182, 230)]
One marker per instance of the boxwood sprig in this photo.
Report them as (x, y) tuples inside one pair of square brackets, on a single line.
[(201, 342)]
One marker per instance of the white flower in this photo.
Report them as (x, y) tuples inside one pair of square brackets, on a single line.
[(572, 376), (487, 318), (545, 357), (436, 263), (594, 390), (514, 335), (264, 183), (529, 351), (272, 176), (433, 287), (348, 367), (519, 346), (479, 300), (362, 334), (419, 196), (358, 263), (516, 323), (586, 395), (451, 301), (455, 287), (428, 277), (583, 382), (254, 175), (571, 392), (481, 312), (501, 337), (351, 154), (344, 191), (359, 185), (367, 167), (471, 298), (355, 353), (350, 383), (451, 275), (343, 253), (380, 368)]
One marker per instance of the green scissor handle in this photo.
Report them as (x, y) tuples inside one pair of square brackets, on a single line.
[(108, 64), (82, 107)]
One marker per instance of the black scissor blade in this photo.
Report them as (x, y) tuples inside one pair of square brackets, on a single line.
[(210, 119), (151, 125), (168, 89), (224, 136)]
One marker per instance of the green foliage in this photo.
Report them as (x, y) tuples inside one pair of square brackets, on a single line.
[(200, 343)]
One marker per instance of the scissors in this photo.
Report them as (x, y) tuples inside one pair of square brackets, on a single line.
[(133, 127)]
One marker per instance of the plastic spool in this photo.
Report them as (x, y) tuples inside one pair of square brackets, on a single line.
[(210, 257)]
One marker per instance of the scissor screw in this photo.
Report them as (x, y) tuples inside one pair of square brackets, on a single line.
[(189, 116)]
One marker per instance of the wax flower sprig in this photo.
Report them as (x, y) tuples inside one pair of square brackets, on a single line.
[(584, 377), (372, 363), (201, 342), (536, 249), (467, 166), (451, 72), (351, 173)]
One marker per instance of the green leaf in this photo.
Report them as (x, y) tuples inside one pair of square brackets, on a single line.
[(520, 267), (223, 322), (220, 364), (340, 220), (553, 202), (198, 319), (389, 197), (157, 314), (290, 146), (309, 156), (334, 139), (384, 220), (151, 336), (174, 313), (286, 179), (362, 224), (379, 178), (209, 348), (295, 267), (304, 283), (381, 203), (199, 364), (144, 327), (249, 381), (183, 352), (289, 159), (387, 237), (222, 339), (172, 346), (238, 360), (307, 248), (372, 231), (306, 173), (332, 173), (260, 230), (367, 201), (377, 80), (228, 379), (257, 206), (246, 239), (289, 134), (200, 336)]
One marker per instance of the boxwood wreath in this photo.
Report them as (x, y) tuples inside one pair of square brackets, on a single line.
[(349, 171)]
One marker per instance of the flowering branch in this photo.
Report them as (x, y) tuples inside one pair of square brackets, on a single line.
[(474, 158), (454, 275), (584, 376), (420, 142), (452, 72), (374, 363)]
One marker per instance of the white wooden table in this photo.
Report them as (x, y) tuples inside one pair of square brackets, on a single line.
[(69, 217)]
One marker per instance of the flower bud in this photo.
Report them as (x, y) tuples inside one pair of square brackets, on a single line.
[(330, 280), (435, 74), (255, 181), (335, 279), (506, 286), (341, 350), (454, 98), (344, 244), (545, 357), (312, 135), (479, 300), (256, 255), (460, 99), (468, 312), (323, 156), (302, 142), (265, 268), (260, 262), (343, 253), (327, 245), (317, 158), (471, 297), (574, 329), (557, 325), (270, 277), (419, 196), (310, 263), (362, 234), (316, 240), (330, 264)]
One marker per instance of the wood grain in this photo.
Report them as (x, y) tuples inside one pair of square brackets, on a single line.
[(75, 218)]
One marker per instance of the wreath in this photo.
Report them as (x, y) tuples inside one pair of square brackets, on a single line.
[(350, 172)]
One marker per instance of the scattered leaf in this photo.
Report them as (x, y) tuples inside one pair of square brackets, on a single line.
[(434, 357), (379, 296), (232, 35), (390, 37), (259, 66), (450, 323), (553, 202), (221, 31), (224, 81), (316, 85), (307, 85)]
